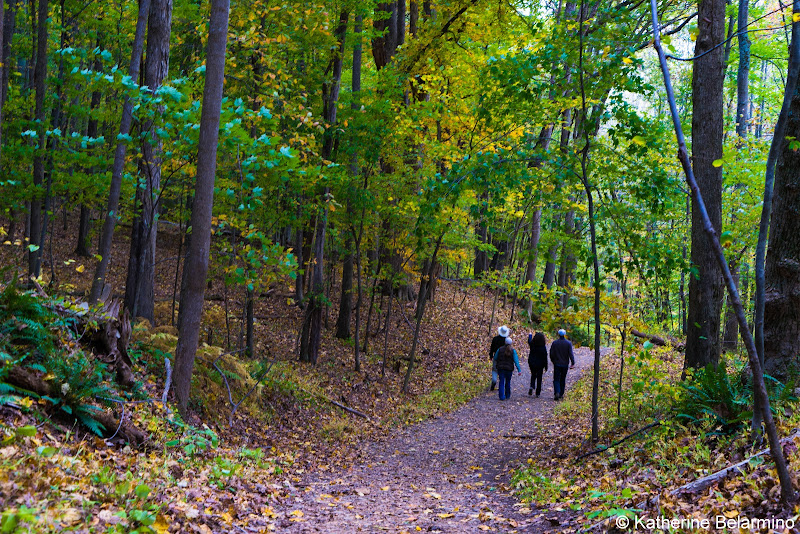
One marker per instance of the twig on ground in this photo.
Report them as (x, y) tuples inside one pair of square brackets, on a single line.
[(601, 449)]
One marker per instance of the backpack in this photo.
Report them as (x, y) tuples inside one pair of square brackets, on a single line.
[(505, 360)]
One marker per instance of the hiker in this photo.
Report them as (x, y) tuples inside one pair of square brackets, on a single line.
[(561, 356), (537, 361), (505, 360), (497, 341)]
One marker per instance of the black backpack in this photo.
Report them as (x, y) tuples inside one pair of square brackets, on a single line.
[(505, 360)]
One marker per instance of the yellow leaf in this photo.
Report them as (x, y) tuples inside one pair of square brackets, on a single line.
[(161, 526), (445, 516), (795, 17), (80, 268), (627, 60)]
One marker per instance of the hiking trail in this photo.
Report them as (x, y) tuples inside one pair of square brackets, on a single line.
[(449, 474)]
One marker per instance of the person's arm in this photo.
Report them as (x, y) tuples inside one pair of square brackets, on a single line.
[(571, 355), (516, 362)]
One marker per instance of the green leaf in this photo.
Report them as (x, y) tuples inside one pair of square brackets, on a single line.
[(47, 452), (26, 431), (142, 491), (718, 162)]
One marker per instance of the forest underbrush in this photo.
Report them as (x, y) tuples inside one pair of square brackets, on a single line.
[(258, 423), (663, 435)]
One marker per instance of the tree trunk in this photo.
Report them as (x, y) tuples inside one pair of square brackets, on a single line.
[(312, 334), (346, 301), (82, 247), (139, 286), (743, 74), (40, 77), (107, 235), (192, 294), (730, 335), (782, 270), (705, 289)]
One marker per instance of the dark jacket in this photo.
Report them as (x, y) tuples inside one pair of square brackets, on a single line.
[(538, 354), (497, 342), (505, 362), (561, 353)]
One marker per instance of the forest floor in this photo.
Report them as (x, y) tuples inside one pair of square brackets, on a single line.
[(446, 456), (449, 474)]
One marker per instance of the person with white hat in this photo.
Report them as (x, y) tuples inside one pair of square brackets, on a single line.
[(497, 341), (563, 359), (505, 360)]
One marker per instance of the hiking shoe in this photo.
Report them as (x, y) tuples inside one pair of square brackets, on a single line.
[(530, 392), (537, 395), (494, 384)]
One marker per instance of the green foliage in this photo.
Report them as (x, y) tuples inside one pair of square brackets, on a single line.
[(720, 400), (25, 324), (79, 384)]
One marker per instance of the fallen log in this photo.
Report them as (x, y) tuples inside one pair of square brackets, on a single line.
[(710, 480), (655, 340), (31, 382)]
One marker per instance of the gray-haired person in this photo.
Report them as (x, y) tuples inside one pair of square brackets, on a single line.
[(563, 359)]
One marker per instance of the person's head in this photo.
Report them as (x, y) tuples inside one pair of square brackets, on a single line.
[(562, 333), (539, 340), (508, 346), (503, 331)]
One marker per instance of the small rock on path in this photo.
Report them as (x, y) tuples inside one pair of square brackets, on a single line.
[(449, 474)]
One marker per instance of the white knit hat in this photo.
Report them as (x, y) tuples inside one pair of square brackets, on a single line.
[(562, 332), (503, 331), (509, 341)]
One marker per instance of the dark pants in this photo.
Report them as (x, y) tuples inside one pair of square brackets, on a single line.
[(504, 389), (536, 378), (559, 379)]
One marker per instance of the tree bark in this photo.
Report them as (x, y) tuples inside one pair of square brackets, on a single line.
[(346, 300), (782, 270), (139, 286), (312, 331), (705, 288), (191, 306), (110, 221), (743, 74), (40, 87)]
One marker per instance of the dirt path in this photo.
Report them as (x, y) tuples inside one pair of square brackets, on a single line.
[(444, 475)]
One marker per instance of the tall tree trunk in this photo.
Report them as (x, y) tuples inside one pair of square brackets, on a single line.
[(139, 286), (743, 74), (705, 289), (357, 236), (730, 334), (40, 77), (191, 306), (782, 270), (111, 214), (82, 247), (312, 331)]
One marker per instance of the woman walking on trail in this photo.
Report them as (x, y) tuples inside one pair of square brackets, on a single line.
[(498, 341), (505, 359), (537, 361)]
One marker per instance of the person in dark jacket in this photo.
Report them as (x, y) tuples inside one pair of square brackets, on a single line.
[(537, 361), (505, 360), (563, 359), (497, 341)]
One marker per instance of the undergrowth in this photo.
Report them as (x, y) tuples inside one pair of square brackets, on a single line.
[(704, 427)]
